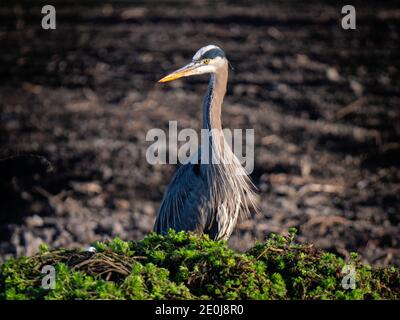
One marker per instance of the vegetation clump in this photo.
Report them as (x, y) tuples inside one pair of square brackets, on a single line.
[(181, 265)]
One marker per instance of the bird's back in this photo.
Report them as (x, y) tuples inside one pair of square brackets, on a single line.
[(206, 198)]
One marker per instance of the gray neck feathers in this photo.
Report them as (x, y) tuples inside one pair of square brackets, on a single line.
[(229, 182), (214, 98)]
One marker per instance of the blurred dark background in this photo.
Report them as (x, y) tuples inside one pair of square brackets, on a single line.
[(324, 103)]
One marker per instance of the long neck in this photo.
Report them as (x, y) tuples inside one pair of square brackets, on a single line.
[(213, 99)]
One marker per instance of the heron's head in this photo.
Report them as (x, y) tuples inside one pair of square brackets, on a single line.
[(206, 60)]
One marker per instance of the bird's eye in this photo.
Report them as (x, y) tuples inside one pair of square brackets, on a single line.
[(206, 61)]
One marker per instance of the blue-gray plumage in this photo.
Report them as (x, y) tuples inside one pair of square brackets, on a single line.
[(212, 191)]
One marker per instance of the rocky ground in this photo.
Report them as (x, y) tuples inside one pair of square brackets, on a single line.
[(323, 101)]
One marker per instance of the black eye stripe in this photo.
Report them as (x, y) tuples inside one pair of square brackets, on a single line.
[(213, 53)]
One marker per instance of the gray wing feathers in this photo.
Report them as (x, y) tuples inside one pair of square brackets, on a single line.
[(184, 206)]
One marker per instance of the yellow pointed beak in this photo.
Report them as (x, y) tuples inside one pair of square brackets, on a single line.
[(172, 76), (182, 72)]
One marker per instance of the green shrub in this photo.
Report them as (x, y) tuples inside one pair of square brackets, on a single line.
[(184, 266)]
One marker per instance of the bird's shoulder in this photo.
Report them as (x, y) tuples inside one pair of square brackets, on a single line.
[(184, 202), (188, 175)]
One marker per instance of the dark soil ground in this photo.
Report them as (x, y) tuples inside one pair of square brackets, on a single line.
[(324, 103)]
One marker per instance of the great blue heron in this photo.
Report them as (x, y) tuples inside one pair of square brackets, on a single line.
[(208, 196)]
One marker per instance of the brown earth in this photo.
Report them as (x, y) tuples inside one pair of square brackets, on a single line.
[(323, 101)]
